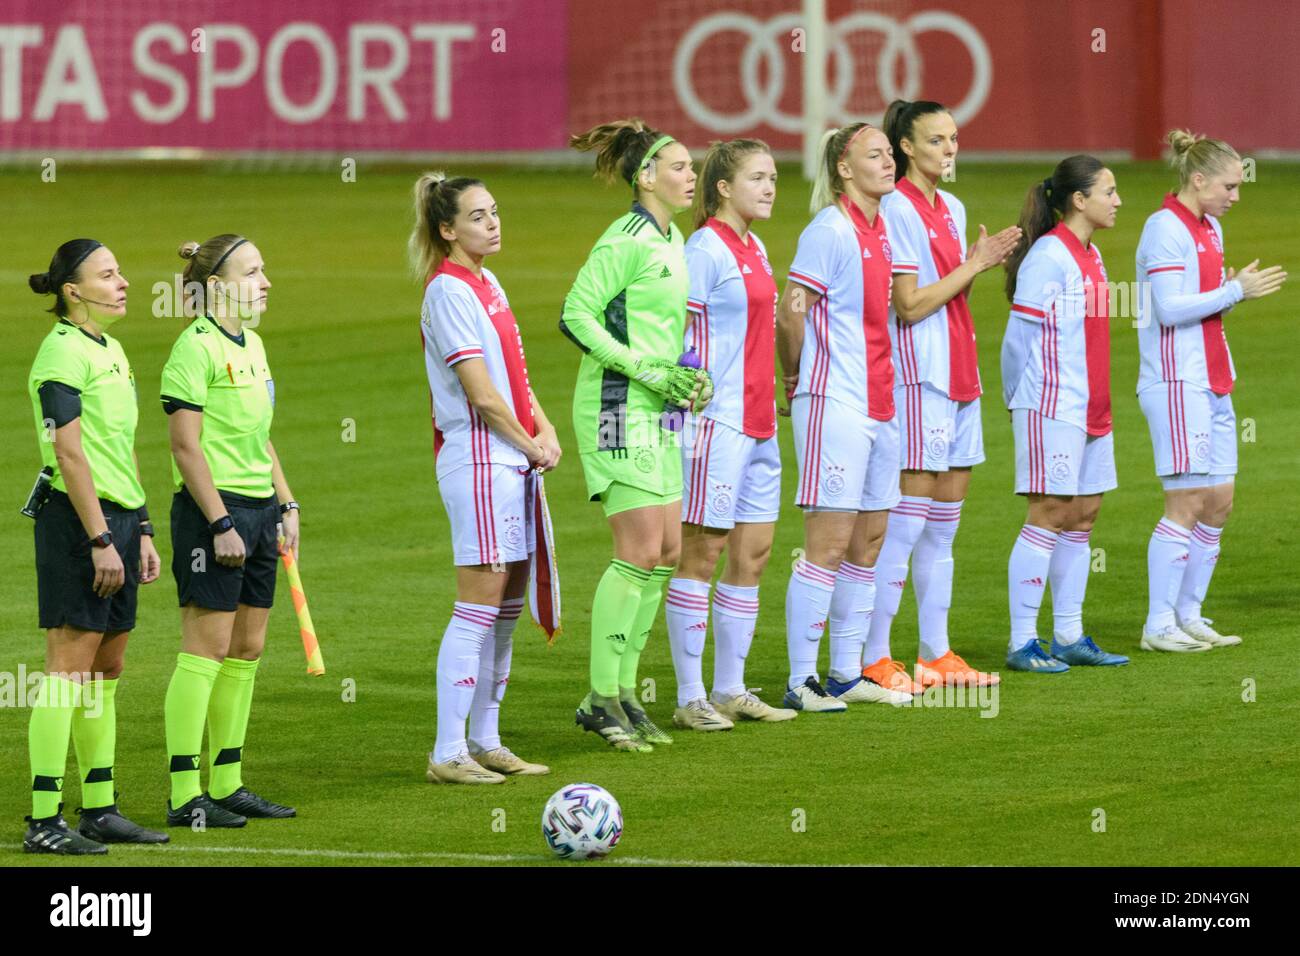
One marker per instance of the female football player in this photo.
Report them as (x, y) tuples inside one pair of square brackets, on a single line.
[(1056, 381), (627, 312), (731, 463), (1185, 385), (833, 340), (94, 547), (489, 434)]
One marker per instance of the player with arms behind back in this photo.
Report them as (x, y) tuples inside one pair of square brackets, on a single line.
[(627, 312), (937, 392), (1185, 385), (1056, 381), (490, 433), (731, 463)]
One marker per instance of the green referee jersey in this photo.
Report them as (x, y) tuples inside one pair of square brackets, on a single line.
[(632, 289), (227, 378), (97, 369)]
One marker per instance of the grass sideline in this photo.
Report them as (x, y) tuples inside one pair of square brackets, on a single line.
[(1184, 770)]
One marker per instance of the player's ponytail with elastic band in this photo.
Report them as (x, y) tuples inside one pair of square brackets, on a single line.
[(829, 184), (1190, 154), (621, 148), (721, 162), (437, 200), (900, 123), (1046, 203)]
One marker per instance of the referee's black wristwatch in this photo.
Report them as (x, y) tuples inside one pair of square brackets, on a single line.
[(146, 526), (102, 540), (289, 506), (222, 525)]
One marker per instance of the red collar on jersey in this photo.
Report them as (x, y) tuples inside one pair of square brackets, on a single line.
[(1067, 236), (460, 272), (913, 191), (729, 235), (1172, 202), (859, 218)]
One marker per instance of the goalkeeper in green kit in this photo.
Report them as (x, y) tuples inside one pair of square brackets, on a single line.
[(627, 312)]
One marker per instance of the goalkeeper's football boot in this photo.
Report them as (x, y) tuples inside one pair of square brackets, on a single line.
[(51, 835), (951, 671), (859, 690), (1085, 653), (502, 760), (1032, 657), (643, 728), (202, 813), (600, 720), (248, 804), (810, 696), (107, 825), (461, 768), (748, 706), (699, 714), (891, 675), (1172, 639), (1199, 629)]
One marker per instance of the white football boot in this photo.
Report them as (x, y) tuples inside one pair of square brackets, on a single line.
[(503, 760), (1200, 630), (698, 714), (460, 769), (748, 706), (811, 697), (1173, 639)]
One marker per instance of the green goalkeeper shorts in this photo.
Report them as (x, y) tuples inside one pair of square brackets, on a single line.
[(654, 472)]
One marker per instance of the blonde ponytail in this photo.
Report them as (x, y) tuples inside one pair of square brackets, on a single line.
[(1190, 153)]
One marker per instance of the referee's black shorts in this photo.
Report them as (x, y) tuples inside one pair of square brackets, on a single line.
[(200, 580), (65, 570)]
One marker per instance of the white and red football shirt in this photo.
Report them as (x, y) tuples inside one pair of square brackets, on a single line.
[(732, 301), (845, 357), (1056, 352), (929, 241), (1180, 265), (464, 317)]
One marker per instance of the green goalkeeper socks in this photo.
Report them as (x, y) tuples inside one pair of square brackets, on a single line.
[(228, 710), (651, 596), (613, 616), (47, 742), (94, 734), (185, 711)]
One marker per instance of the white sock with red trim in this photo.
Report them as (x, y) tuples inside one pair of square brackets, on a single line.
[(851, 607), (735, 610), (807, 602), (686, 607), (906, 523), (1167, 555), (493, 675), (1069, 577), (1026, 580), (458, 666), (1202, 556), (932, 570)]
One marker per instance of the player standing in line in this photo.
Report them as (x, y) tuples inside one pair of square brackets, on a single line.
[(1056, 381), (937, 393), (627, 312), (731, 464), (231, 502), (94, 547), (489, 433), (1185, 385), (833, 340)]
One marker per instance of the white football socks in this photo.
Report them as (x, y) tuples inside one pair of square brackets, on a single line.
[(850, 616), (493, 675), (1167, 555), (1202, 556), (807, 602), (686, 608), (1069, 577), (458, 668), (906, 523), (735, 610), (1026, 578), (932, 571)]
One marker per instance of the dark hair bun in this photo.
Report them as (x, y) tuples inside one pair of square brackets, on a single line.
[(40, 283)]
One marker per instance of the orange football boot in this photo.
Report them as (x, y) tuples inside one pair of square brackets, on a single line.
[(891, 675), (951, 669)]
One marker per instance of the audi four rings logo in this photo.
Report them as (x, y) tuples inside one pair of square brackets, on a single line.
[(762, 99)]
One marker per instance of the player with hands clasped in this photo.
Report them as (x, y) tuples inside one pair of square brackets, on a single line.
[(491, 441), (1056, 382), (833, 341), (932, 335), (731, 462), (94, 547), (232, 503), (627, 312), (1185, 384)]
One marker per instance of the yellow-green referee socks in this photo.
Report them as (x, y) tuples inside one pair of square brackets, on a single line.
[(185, 711), (47, 742), (613, 616), (651, 596), (228, 710), (94, 734)]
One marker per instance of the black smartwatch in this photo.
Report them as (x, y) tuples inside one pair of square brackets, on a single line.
[(222, 525), (102, 540), (289, 506), (146, 527)]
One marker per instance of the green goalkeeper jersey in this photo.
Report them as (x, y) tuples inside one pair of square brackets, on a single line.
[(629, 295)]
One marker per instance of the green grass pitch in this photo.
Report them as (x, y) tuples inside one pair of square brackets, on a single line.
[(1185, 770)]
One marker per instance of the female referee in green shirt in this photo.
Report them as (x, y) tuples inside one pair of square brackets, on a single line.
[(627, 312), (231, 494), (94, 547)]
